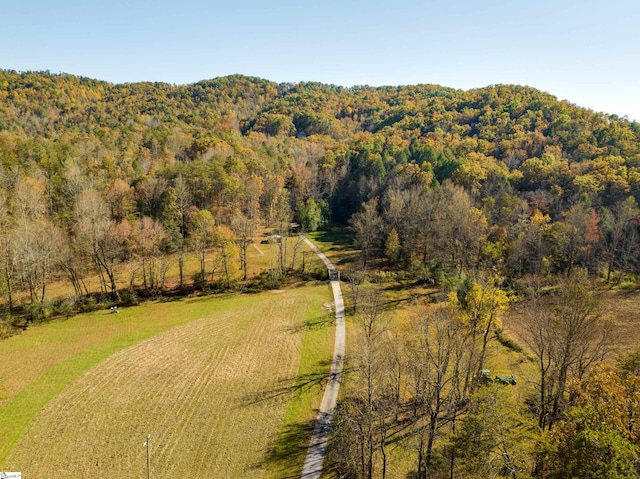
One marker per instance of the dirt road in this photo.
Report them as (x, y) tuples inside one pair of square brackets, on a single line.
[(317, 449)]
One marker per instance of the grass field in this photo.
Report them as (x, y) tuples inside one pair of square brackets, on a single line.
[(217, 382), (337, 245)]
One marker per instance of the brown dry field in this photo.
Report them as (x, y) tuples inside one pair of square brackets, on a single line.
[(203, 390), (623, 306)]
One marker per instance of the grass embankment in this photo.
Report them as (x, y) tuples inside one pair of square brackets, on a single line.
[(209, 378)]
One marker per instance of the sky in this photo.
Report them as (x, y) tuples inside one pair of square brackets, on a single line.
[(587, 52)]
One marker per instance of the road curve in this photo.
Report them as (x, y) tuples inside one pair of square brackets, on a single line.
[(318, 447)]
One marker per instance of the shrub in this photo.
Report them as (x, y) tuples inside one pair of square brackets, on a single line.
[(7, 328), (88, 304), (65, 307), (199, 280), (40, 311), (129, 297)]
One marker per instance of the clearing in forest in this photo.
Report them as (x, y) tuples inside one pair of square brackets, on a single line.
[(209, 378)]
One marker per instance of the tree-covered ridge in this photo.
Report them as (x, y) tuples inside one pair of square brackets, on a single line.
[(477, 137)]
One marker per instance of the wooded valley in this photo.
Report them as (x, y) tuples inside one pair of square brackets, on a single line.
[(492, 196)]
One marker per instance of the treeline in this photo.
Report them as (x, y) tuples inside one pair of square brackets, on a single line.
[(505, 178)]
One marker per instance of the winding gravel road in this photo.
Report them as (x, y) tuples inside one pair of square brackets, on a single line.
[(318, 447)]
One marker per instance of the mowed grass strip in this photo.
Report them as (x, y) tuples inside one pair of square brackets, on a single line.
[(204, 390), (285, 458)]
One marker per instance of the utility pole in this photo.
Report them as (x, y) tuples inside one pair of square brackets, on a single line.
[(146, 443)]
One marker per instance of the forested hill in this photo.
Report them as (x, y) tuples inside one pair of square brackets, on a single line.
[(489, 195), (514, 152)]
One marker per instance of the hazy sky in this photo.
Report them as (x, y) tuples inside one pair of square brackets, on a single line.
[(587, 52)]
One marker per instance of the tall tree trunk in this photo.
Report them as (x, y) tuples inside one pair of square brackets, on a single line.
[(543, 394), (452, 456), (433, 424), (9, 293), (202, 264), (44, 282), (112, 279), (384, 461), (225, 266), (144, 275), (555, 409), (244, 245)]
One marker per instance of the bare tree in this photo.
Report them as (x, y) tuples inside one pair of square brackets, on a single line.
[(33, 247), (27, 200), (298, 242), (619, 230), (270, 198), (36, 250), (227, 252), (99, 237), (367, 225), (356, 278), (120, 199), (480, 304), (461, 227), (372, 325), (283, 220), (567, 333), (202, 236), (148, 236), (7, 269), (406, 212), (436, 356), (530, 242), (364, 432), (74, 267), (540, 339), (242, 231), (91, 226), (148, 193), (183, 202)]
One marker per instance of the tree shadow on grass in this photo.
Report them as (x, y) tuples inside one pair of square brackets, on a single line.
[(286, 458), (341, 238), (313, 324), (301, 384)]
